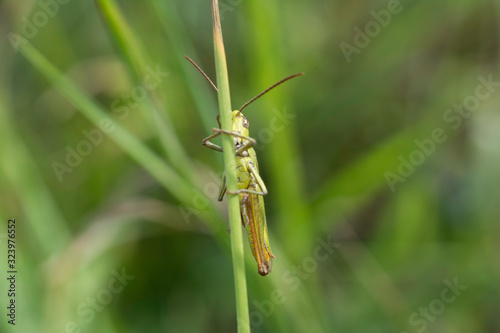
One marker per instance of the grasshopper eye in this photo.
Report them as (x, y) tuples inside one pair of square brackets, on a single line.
[(246, 124)]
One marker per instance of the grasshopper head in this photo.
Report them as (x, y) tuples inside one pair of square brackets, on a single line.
[(240, 123)]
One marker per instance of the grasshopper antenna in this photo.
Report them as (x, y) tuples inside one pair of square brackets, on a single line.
[(268, 89), (202, 72)]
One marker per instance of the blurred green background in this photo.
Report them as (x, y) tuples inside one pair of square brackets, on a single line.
[(411, 227)]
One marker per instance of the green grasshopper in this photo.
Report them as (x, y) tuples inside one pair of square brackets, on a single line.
[(251, 187)]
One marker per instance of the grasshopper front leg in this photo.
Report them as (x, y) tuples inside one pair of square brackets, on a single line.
[(223, 187), (250, 142), (207, 143), (241, 151)]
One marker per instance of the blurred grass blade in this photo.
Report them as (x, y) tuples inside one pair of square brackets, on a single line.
[(136, 56), (127, 43), (201, 93), (269, 63), (20, 170), (175, 184), (353, 180), (282, 153)]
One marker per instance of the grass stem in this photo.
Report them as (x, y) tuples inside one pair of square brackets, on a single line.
[(224, 98)]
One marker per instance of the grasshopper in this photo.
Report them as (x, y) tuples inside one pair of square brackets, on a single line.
[(251, 187)]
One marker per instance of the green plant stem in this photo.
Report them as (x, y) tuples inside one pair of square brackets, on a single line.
[(224, 98)]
